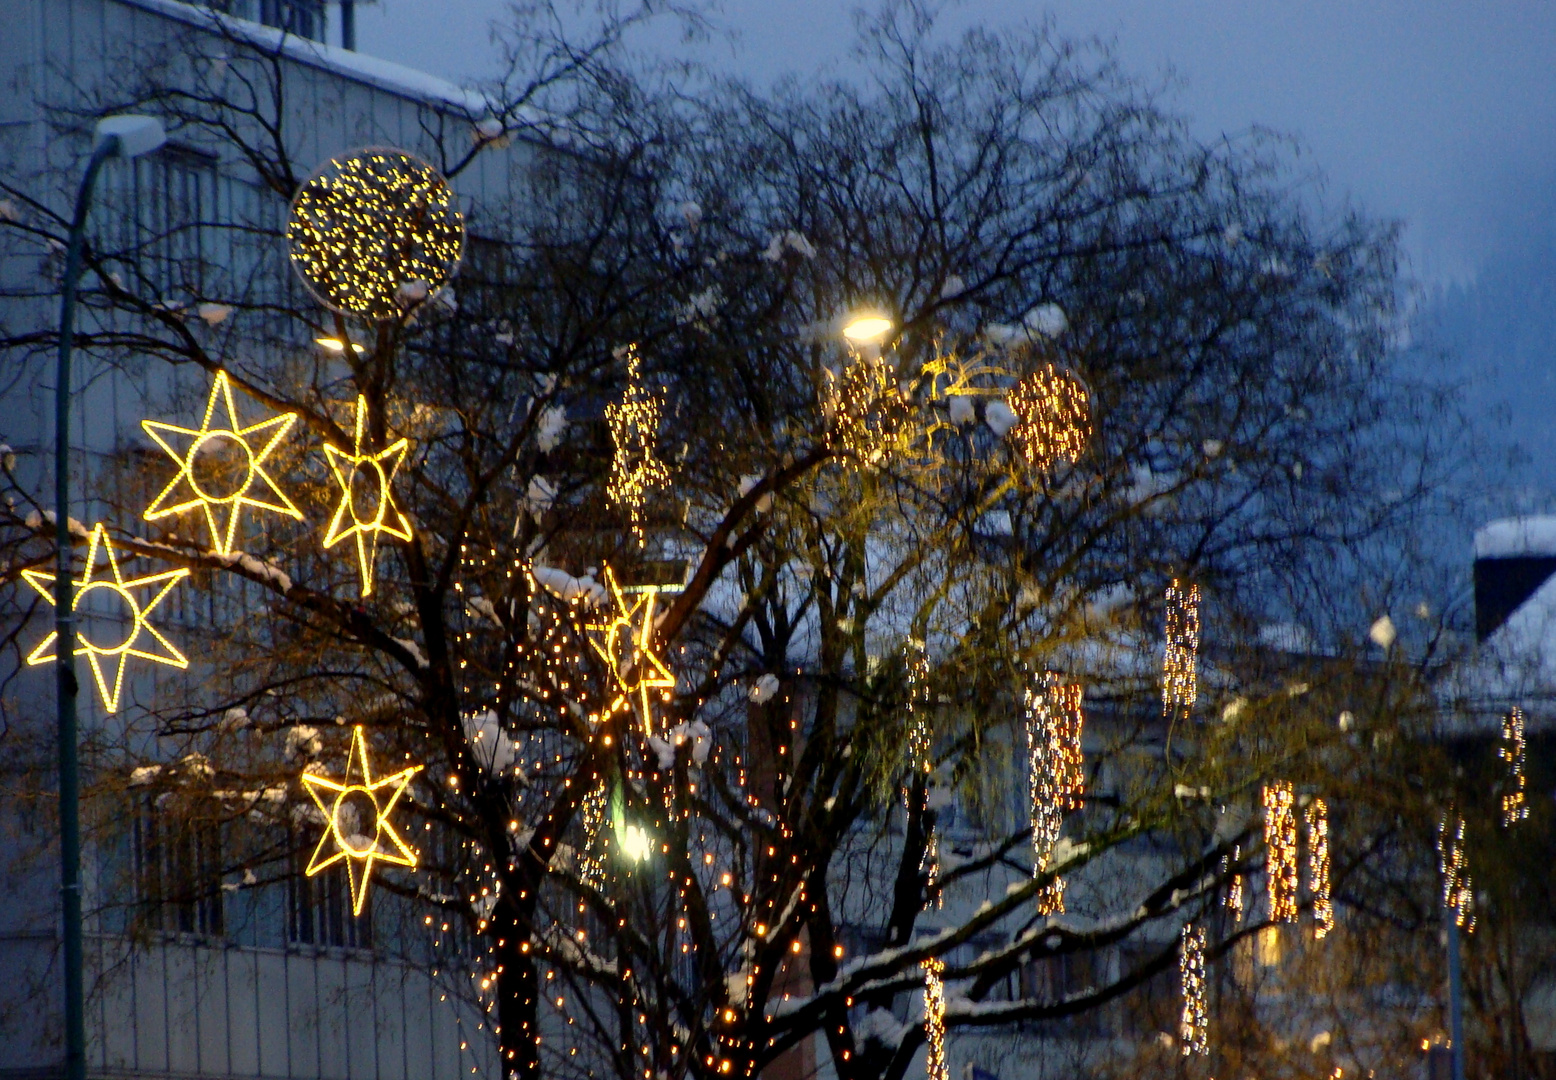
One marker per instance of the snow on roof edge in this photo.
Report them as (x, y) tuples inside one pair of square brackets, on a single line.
[(381, 74), (1508, 538)]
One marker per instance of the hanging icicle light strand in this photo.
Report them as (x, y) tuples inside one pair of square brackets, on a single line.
[(1280, 850), (591, 861), (1180, 662), (1515, 806), (634, 426), (1458, 890), (1318, 866), (1055, 774), (934, 1018), (1194, 1028)]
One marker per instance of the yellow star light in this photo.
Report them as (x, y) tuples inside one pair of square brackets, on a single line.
[(357, 812), (625, 641), (204, 484), (115, 655), (367, 497)]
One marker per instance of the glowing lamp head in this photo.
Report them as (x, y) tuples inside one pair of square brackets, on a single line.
[(335, 345), (867, 328), (634, 842)]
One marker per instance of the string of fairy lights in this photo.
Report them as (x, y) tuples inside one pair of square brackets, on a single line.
[(636, 470), (1055, 774), (1280, 850), (921, 763), (1194, 1025), (1317, 814), (864, 408), (936, 1067), (373, 231), (1053, 411), (1180, 658), (1515, 806), (1458, 890)]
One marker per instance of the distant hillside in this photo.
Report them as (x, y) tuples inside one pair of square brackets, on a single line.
[(1499, 336)]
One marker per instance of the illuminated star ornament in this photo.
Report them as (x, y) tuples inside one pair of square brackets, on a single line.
[(625, 641), (142, 640), (356, 812), (206, 475), (366, 508), (634, 427)]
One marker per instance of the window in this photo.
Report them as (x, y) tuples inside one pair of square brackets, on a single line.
[(318, 910), (178, 870), (305, 18)]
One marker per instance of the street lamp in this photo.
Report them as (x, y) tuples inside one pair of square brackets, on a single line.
[(866, 327), (122, 136)]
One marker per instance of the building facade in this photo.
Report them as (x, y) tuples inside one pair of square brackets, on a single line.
[(238, 979)]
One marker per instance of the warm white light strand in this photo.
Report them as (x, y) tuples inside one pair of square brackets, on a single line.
[(1318, 866), (591, 861), (1280, 850), (1515, 806), (1054, 417), (1180, 662), (1194, 1028), (1458, 891), (934, 1018), (1235, 892), (634, 428), (375, 233), (1055, 773)]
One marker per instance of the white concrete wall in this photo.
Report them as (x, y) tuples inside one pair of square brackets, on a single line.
[(176, 1007)]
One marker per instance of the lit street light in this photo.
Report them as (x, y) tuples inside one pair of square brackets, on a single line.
[(123, 137), (867, 327)]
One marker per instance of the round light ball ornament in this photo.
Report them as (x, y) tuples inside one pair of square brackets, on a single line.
[(372, 227), (1053, 410)]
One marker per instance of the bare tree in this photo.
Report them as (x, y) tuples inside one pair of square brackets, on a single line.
[(878, 553)]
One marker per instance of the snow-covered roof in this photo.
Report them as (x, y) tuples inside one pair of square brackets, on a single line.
[(1516, 537), (370, 70), (1516, 663)]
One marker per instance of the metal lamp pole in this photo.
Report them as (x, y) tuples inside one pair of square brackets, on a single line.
[(117, 136)]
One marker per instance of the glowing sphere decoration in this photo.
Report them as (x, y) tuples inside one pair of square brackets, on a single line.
[(371, 228), (1053, 410)]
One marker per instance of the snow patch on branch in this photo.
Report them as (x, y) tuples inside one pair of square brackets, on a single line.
[(565, 586), (791, 240), (417, 656), (264, 572), (486, 735), (36, 521)]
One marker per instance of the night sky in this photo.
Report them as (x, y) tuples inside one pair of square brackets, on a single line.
[(1441, 115)]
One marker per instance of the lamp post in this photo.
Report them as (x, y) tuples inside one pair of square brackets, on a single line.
[(116, 136)]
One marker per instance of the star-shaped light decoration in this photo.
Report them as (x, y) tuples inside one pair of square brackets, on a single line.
[(200, 482), (366, 497), (108, 660), (357, 811), (625, 641), (634, 427)]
